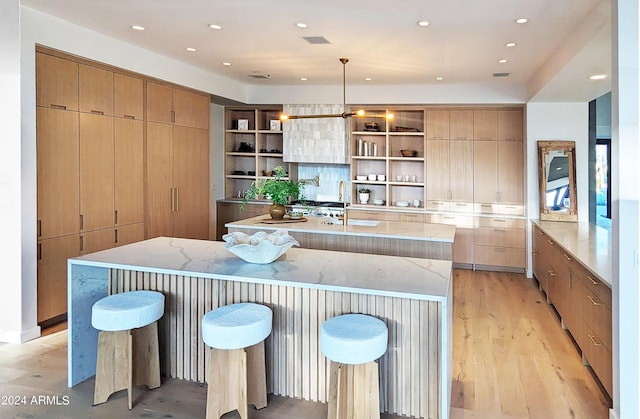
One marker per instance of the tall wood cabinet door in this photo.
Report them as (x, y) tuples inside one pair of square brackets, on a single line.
[(96, 172), (510, 125), (437, 124), (58, 155), (485, 171), (461, 170), (437, 181), (511, 172), (485, 125), (56, 82), (52, 274), (128, 97), (95, 90), (191, 177), (461, 124), (159, 103), (130, 233), (190, 109), (159, 180), (97, 240), (129, 171)]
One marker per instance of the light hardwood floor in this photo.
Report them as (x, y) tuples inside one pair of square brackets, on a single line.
[(511, 360)]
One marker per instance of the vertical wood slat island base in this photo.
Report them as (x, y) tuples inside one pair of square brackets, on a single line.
[(303, 288)]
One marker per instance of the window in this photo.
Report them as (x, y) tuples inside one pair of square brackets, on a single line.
[(603, 176)]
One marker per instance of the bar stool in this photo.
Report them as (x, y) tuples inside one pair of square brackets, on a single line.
[(127, 343), (236, 375), (353, 342)]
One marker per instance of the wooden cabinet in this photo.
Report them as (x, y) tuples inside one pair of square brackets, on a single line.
[(177, 181), (176, 106), (52, 275), (449, 171), (437, 124), (97, 240), (485, 125), (130, 233), (463, 244), (461, 124), (510, 173), (438, 171), (374, 215), (410, 217), (129, 171), (128, 97), (57, 150), (56, 82), (95, 90), (485, 172), (228, 212), (500, 242), (510, 124)]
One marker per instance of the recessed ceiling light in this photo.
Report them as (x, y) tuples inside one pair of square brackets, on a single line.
[(367, 79), (502, 61), (214, 26), (191, 49), (522, 20), (137, 27), (301, 25), (439, 78), (510, 44), (598, 77), (225, 63), (423, 23), (303, 79)]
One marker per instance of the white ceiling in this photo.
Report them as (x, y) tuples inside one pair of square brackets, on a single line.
[(562, 44)]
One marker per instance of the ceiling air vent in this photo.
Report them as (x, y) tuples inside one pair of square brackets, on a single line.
[(316, 40), (501, 74), (260, 76)]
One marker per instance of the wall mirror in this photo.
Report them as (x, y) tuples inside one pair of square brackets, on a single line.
[(557, 177)]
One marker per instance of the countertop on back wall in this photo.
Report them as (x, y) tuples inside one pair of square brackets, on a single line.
[(386, 229)]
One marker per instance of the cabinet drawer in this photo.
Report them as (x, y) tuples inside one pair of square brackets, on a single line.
[(437, 205), (510, 209), (456, 220), (374, 215), (485, 208), (500, 256), (599, 357), (501, 222), (594, 285), (461, 206), (598, 317), (497, 236), (412, 218)]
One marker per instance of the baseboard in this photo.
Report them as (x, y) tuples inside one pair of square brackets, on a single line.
[(19, 337)]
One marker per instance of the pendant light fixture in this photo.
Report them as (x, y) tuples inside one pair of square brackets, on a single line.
[(344, 114)]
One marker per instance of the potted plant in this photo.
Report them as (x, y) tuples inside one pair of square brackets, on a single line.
[(363, 194), (278, 189)]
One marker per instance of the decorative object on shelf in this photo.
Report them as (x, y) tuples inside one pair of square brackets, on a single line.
[(405, 129), (363, 195), (260, 247), (416, 203), (267, 173), (381, 178), (378, 202), (344, 114), (274, 125), (402, 204), (243, 124), (279, 190), (409, 153), (245, 147)]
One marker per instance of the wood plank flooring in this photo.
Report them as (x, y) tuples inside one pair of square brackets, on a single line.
[(511, 360)]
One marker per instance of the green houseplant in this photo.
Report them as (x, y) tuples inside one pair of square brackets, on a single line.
[(363, 194), (278, 189)]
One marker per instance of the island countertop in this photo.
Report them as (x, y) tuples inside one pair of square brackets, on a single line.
[(384, 229)]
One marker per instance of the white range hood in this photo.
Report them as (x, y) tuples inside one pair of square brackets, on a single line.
[(315, 140)]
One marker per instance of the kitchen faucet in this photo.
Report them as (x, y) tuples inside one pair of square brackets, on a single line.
[(342, 197)]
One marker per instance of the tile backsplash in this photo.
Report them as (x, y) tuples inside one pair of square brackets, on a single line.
[(330, 176)]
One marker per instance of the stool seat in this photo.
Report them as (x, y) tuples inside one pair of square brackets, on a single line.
[(353, 338), (127, 310), (236, 326)]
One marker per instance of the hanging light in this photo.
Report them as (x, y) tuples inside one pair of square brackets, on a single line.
[(344, 114)]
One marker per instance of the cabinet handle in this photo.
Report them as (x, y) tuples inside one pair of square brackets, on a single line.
[(499, 230), (593, 281), (448, 217), (81, 243), (129, 116), (534, 253), (81, 221), (511, 206), (39, 251), (552, 273), (461, 205), (173, 116), (173, 200), (115, 236), (567, 257), (93, 111), (177, 200), (39, 228), (497, 220), (485, 206), (540, 233), (593, 340), (594, 302), (115, 217), (62, 107), (551, 242)]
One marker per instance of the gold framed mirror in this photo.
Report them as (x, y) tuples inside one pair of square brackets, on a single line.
[(557, 180)]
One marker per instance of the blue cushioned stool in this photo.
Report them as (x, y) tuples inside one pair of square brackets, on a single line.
[(353, 342), (236, 375), (127, 343)]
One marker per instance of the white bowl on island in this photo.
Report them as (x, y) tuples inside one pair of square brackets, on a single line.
[(260, 247)]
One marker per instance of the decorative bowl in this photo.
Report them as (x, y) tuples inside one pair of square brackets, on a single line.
[(409, 153), (295, 215), (378, 202), (402, 203), (361, 177), (260, 247)]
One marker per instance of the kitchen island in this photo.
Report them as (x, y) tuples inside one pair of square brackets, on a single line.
[(304, 287), (393, 238)]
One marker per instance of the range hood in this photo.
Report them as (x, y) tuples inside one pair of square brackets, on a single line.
[(321, 140)]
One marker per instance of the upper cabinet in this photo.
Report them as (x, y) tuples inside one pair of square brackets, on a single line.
[(510, 124), (461, 124), (56, 82), (96, 90), (176, 106), (437, 124), (485, 125), (128, 97)]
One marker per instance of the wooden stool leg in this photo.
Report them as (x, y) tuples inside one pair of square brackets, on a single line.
[(113, 365), (256, 376), (227, 382), (354, 391), (146, 357)]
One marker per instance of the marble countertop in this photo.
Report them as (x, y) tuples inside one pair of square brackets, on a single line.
[(422, 279), (387, 229), (588, 243)]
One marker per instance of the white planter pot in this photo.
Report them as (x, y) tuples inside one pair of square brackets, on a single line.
[(364, 198)]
